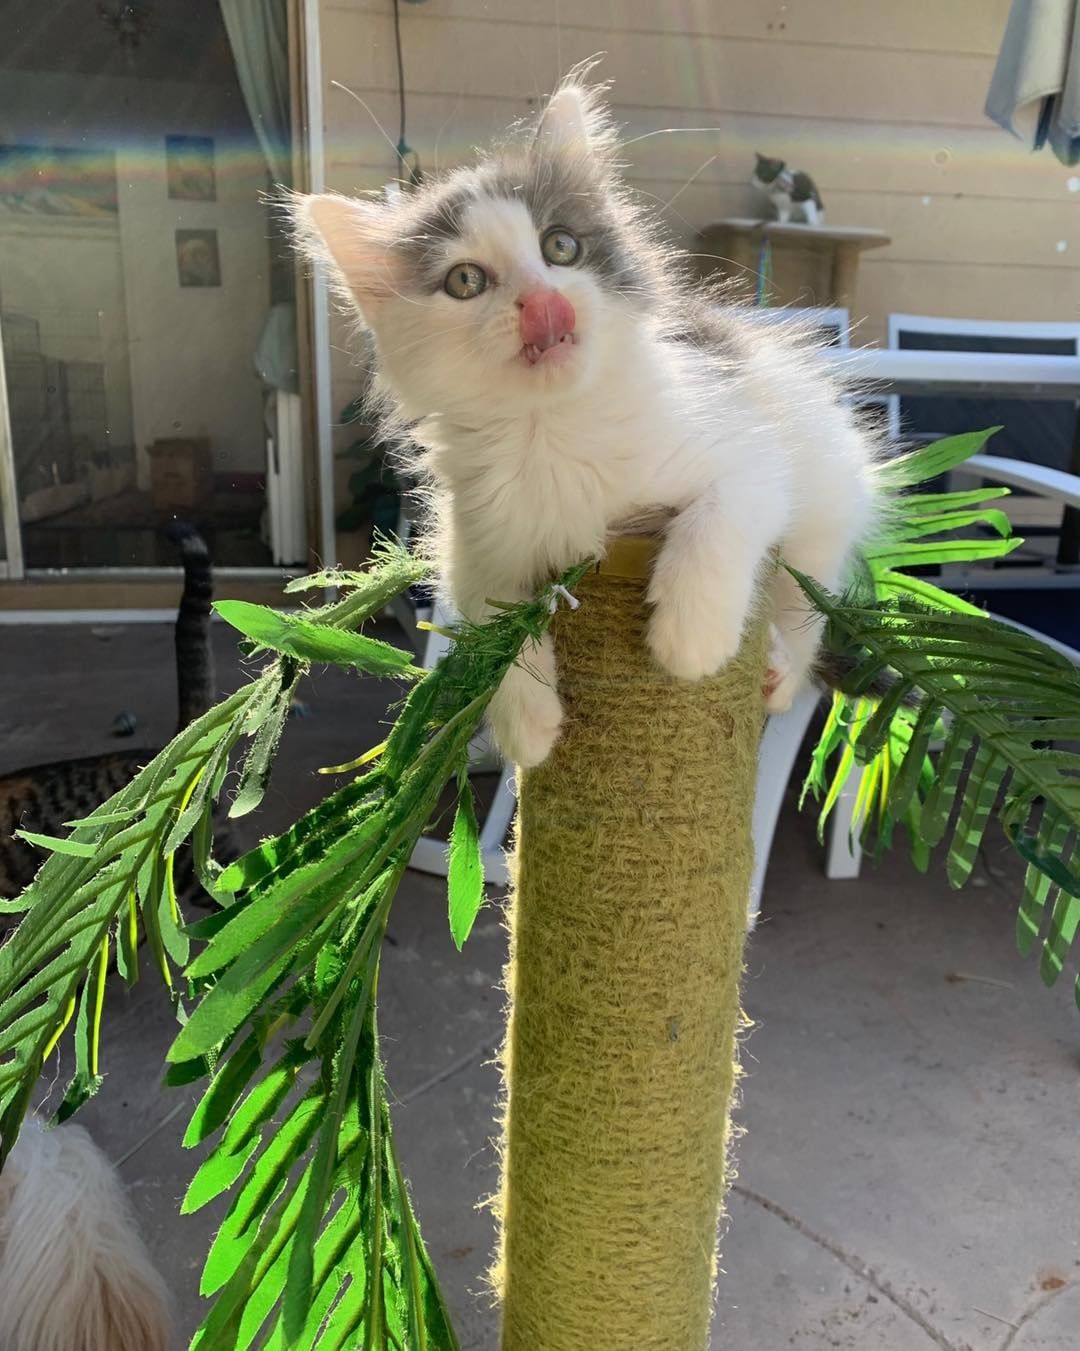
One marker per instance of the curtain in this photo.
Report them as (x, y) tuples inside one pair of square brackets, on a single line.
[(258, 35)]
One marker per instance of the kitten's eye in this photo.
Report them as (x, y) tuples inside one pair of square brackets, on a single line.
[(465, 280), (560, 247)]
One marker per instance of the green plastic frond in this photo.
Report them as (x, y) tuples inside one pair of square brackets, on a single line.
[(320, 1247), (991, 698)]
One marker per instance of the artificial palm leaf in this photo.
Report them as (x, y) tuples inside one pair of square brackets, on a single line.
[(961, 735), (320, 1247)]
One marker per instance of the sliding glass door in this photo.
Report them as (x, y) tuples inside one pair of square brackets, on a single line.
[(147, 300)]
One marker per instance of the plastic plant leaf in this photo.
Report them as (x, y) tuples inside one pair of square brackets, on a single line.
[(1064, 922), (58, 844), (923, 553), (906, 471), (311, 641), (465, 877), (983, 784), (259, 761), (936, 523)]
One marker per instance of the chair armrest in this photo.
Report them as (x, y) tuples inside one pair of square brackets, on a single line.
[(1035, 478)]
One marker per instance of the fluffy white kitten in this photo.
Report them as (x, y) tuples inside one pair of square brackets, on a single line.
[(559, 373)]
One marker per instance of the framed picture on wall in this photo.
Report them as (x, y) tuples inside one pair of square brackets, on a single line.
[(197, 260), (189, 168)]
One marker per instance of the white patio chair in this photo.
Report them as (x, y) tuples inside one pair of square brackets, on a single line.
[(1042, 422)]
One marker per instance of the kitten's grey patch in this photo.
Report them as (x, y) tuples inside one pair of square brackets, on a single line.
[(561, 191), (436, 220)]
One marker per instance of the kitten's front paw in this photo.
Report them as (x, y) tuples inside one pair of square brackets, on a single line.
[(692, 643), (526, 717)]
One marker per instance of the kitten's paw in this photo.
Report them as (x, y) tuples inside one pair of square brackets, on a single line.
[(781, 682), (526, 718), (691, 644)]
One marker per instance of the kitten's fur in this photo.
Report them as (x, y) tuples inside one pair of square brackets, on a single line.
[(43, 797), (661, 399), (793, 193)]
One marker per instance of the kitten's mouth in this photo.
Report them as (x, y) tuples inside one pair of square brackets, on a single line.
[(534, 355)]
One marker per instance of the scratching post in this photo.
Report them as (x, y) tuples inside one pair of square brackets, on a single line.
[(633, 872)]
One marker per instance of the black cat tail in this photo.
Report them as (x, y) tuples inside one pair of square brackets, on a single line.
[(194, 655)]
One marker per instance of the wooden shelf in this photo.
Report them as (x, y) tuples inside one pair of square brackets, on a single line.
[(811, 264)]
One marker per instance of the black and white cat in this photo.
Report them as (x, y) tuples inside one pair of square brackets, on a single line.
[(793, 194), (558, 373)]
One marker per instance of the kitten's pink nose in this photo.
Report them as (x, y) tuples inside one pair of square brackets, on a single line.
[(546, 318)]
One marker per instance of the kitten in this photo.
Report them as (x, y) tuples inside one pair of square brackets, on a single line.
[(793, 194), (558, 373), (42, 797)]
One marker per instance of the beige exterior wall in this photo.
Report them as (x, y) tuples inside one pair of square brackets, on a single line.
[(880, 101)]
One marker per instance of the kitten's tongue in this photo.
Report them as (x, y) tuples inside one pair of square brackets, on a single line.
[(546, 318)]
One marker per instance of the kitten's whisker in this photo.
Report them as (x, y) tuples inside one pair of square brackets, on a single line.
[(669, 131), (431, 337), (663, 207), (411, 300), (749, 269), (438, 139), (697, 172), (381, 129)]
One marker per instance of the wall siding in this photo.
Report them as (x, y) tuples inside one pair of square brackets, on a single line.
[(882, 103)]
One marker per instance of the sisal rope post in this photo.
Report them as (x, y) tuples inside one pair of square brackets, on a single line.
[(628, 921)]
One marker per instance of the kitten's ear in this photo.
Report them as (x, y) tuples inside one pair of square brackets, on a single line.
[(576, 119), (566, 118), (353, 238)]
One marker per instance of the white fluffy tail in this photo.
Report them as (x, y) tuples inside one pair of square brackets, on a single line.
[(74, 1273)]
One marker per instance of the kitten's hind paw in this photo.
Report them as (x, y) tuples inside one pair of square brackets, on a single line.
[(781, 682)]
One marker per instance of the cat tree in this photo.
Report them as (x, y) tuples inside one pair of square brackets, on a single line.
[(632, 879)]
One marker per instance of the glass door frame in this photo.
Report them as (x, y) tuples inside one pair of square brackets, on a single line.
[(11, 565), (314, 288)]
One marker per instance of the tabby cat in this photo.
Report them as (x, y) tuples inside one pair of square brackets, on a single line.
[(42, 797)]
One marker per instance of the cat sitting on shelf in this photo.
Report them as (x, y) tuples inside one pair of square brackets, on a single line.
[(792, 193)]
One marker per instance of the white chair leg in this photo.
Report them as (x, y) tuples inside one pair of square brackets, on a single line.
[(780, 744), (496, 825), (430, 854), (843, 855), (436, 645)]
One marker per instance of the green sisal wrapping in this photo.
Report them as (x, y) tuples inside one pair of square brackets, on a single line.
[(627, 927)]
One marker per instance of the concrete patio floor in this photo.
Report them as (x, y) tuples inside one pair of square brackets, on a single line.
[(909, 1175)]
